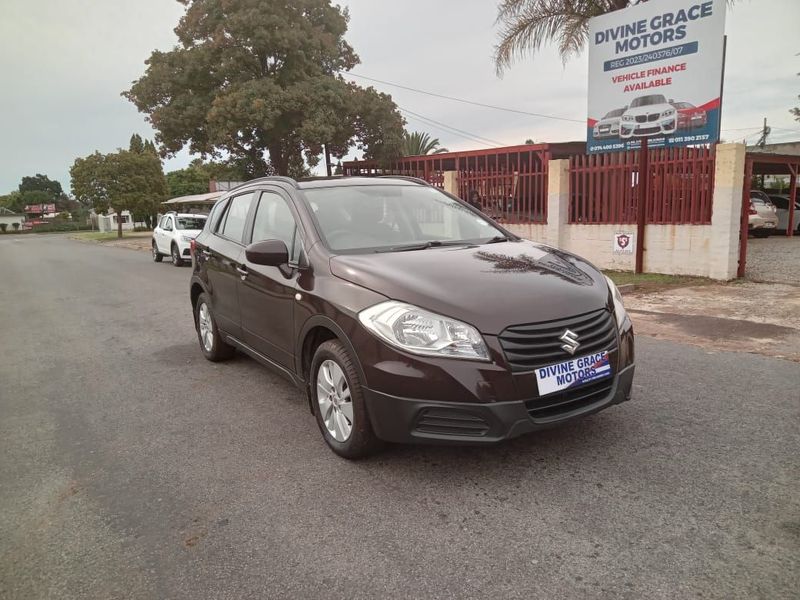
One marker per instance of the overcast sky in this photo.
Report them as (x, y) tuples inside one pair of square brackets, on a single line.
[(64, 64)]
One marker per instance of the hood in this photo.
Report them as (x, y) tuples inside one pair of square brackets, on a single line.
[(609, 121), (491, 286), (649, 109)]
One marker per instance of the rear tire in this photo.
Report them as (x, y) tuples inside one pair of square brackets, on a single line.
[(208, 334), (157, 256), (338, 400), (176, 256)]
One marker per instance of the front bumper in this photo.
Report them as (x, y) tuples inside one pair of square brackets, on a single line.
[(184, 247), (405, 420), (635, 129)]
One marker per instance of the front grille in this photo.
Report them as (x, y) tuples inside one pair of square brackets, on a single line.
[(448, 421), (641, 118), (528, 347), (654, 117), (554, 405)]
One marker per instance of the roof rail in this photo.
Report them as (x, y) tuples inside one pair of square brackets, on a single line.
[(278, 178), (406, 178)]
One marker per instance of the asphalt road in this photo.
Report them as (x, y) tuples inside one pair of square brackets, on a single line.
[(132, 468)]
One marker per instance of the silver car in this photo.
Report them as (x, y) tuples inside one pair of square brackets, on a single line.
[(763, 218)]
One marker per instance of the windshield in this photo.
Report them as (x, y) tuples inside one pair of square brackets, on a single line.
[(386, 217), (615, 113), (191, 222), (649, 100)]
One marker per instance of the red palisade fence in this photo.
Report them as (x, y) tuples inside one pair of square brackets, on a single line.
[(604, 188)]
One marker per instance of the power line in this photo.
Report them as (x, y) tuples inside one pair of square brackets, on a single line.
[(440, 128), (454, 129), (462, 100)]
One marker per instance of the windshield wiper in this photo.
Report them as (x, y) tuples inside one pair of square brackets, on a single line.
[(497, 239), (423, 246)]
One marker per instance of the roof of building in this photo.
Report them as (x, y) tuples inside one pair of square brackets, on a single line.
[(4, 212)]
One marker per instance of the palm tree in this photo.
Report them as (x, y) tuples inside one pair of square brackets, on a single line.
[(419, 144), (529, 24)]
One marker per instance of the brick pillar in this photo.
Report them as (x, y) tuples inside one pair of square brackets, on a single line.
[(726, 212), (451, 182), (557, 201)]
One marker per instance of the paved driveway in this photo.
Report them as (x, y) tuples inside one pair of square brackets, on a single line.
[(774, 259), (132, 468)]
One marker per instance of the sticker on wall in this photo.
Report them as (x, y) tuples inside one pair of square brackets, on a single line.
[(623, 243)]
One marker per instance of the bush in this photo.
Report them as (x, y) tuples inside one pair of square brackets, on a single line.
[(142, 229), (53, 228), (3, 227)]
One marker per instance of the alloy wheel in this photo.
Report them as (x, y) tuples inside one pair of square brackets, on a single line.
[(206, 330), (335, 402)]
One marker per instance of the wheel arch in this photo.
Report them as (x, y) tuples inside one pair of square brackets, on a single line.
[(196, 289), (315, 331)]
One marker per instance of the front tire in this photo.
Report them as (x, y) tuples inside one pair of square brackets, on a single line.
[(761, 233), (157, 256), (338, 400), (211, 343), (176, 256)]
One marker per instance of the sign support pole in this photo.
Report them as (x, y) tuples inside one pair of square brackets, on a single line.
[(641, 212)]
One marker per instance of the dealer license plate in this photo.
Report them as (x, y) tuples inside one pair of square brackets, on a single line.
[(572, 373)]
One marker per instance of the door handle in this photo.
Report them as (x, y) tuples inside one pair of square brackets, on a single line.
[(242, 271)]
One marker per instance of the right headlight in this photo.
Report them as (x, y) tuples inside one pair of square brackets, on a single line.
[(619, 309), (419, 331)]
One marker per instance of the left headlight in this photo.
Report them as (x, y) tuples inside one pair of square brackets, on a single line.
[(187, 238), (418, 331), (619, 309)]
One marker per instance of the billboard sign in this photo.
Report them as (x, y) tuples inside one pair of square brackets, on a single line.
[(39, 209), (655, 72)]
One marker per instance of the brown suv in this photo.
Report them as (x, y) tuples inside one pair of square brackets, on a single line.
[(405, 314)]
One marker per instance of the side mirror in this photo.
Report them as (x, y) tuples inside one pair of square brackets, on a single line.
[(269, 253)]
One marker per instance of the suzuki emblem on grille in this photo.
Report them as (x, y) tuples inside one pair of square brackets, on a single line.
[(570, 339)]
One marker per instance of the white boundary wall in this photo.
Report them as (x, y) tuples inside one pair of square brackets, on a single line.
[(701, 250)]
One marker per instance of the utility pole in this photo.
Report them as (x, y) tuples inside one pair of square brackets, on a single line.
[(762, 141)]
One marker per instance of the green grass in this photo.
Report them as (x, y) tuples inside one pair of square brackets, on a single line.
[(654, 279)]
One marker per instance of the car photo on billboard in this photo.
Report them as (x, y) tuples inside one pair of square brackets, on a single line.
[(689, 115), (608, 126), (648, 116)]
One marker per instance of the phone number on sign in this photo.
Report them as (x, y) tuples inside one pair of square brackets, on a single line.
[(682, 139)]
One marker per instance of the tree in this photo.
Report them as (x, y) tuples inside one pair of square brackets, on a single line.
[(124, 180), (3, 227), (31, 197), (13, 202), (42, 183), (252, 78), (529, 141), (186, 182), (419, 144)]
